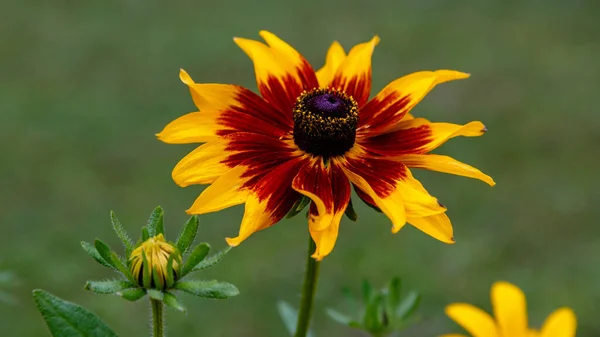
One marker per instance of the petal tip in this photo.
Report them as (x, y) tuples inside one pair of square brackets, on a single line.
[(375, 40), (233, 242), (185, 77)]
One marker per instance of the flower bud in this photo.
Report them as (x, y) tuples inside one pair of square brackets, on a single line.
[(149, 263)]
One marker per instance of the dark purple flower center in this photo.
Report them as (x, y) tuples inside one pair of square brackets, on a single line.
[(325, 122)]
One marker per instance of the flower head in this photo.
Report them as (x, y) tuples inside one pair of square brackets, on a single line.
[(510, 313), (312, 136), (153, 256)]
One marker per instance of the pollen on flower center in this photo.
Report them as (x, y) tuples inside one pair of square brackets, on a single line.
[(325, 122)]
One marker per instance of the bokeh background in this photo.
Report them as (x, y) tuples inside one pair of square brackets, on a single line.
[(85, 85)]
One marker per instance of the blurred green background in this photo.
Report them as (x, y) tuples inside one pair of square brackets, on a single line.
[(85, 85)]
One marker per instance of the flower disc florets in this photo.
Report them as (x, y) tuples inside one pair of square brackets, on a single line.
[(152, 257), (325, 122)]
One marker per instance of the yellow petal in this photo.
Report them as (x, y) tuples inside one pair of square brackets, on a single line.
[(314, 181), (392, 205), (255, 219), (225, 192), (281, 72), (325, 239), (335, 57), (510, 309), (203, 165), (410, 89), (438, 226), (417, 201), (211, 96), (444, 164), (453, 335), (476, 321), (560, 323), (195, 127), (354, 73)]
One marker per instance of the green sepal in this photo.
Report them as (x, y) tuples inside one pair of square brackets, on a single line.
[(105, 252), (408, 306), (198, 255), (208, 289), (211, 261), (145, 234), (298, 206), (66, 319), (372, 320), (155, 222), (156, 294), (93, 252), (170, 273), (172, 301), (393, 296), (146, 271), (370, 205), (187, 235), (159, 282), (121, 233), (132, 294), (350, 212), (121, 267), (343, 319), (108, 287)]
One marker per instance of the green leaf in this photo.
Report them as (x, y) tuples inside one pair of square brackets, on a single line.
[(132, 294), (155, 222), (93, 252), (108, 287), (367, 291), (156, 294), (289, 316), (408, 306), (66, 319), (121, 233), (211, 261), (350, 212), (198, 255), (145, 234), (393, 297), (208, 289), (172, 301), (372, 319), (187, 235), (343, 319), (298, 206)]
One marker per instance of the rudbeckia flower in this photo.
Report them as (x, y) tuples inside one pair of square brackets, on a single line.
[(510, 310), (314, 135)]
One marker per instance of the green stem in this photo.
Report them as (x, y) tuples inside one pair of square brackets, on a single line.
[(308, 291), (158, 320)]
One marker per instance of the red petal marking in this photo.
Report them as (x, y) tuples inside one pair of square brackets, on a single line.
[(383, 111), (380, 174), (400, 142), (341, 188), (275, 187), (282, 92), (259, 153), (357, 87), (254, 115), (315, 178)]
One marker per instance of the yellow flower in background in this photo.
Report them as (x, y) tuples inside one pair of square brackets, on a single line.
[(311, 136), (155, 252), (510, 311)]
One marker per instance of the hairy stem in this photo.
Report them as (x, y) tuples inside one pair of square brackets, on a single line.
[(158, 319)]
